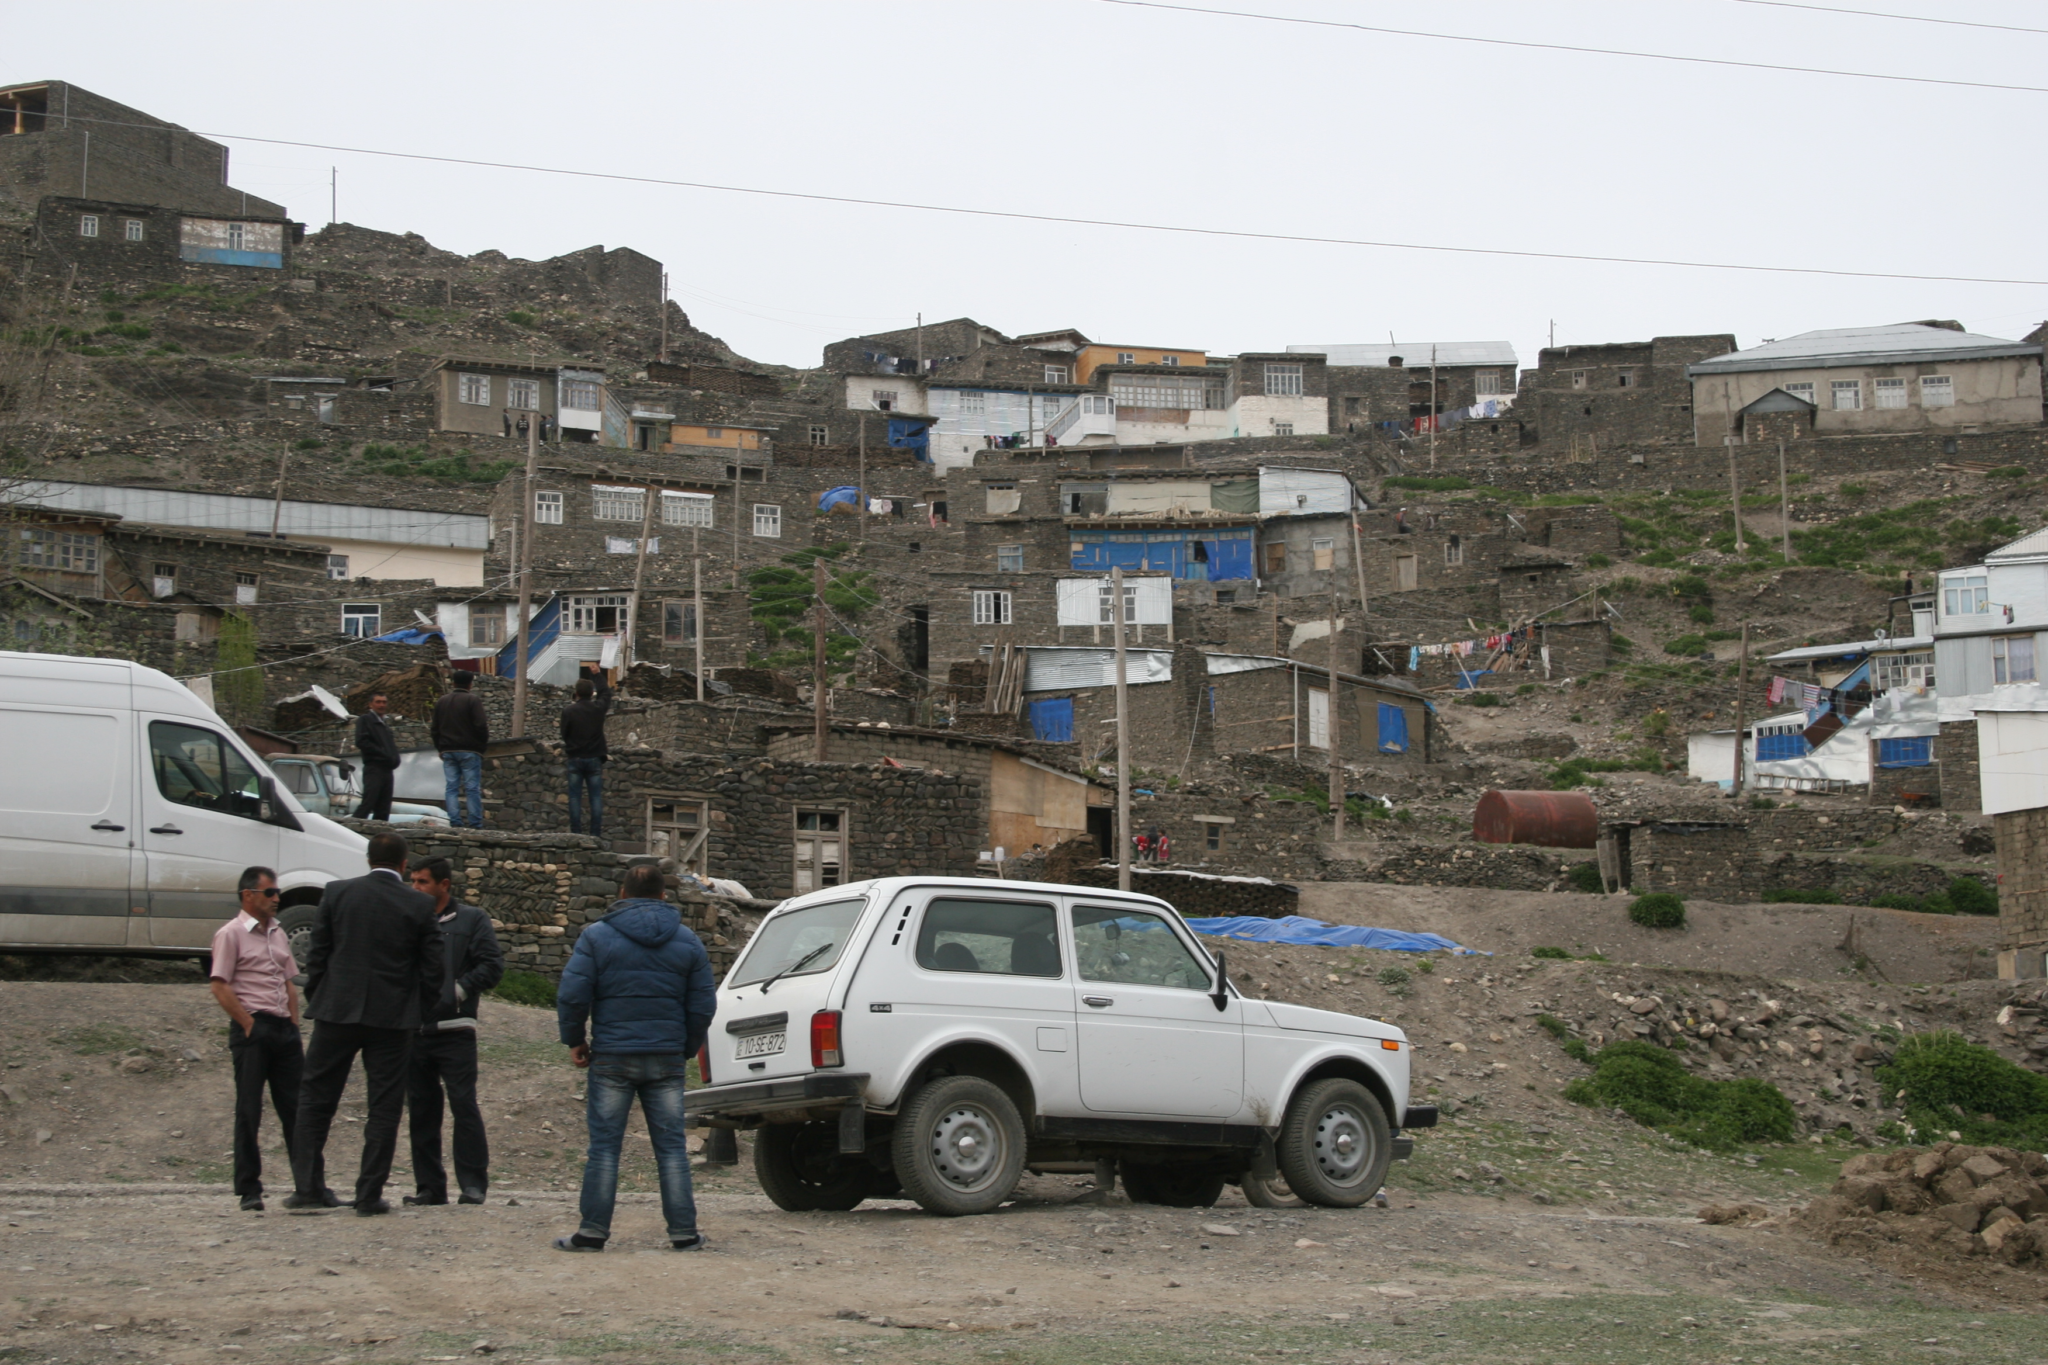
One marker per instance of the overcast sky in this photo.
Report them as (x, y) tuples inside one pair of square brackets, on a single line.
[(1093, 109)]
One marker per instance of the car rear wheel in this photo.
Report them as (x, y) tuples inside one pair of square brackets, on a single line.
[(1176, 1187), (959, 1146), (1269, 1194), (1335, 1144), (800, 1168)]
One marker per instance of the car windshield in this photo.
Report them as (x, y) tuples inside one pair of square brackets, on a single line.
[(786, 938)]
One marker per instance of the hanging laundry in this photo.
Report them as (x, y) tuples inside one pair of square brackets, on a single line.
[(880, 507)]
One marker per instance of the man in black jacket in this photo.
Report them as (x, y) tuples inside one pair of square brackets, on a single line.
[(444, 1050), (584, 752), (461, 732), (379, 750), (373, 973)]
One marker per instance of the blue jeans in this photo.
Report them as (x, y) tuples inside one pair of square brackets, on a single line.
[(464, 773), (586, 774), (657, 1078)]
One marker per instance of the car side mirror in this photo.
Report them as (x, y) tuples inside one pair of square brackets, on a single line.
[(1220, 997)]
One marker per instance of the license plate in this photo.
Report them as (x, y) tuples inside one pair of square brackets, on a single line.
[(761, 1044)]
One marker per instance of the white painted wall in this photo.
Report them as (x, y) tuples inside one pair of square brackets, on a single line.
[(1202, 424), (1256, 414), (908, 388), (967, 417), (2012, 759), (448, 566)]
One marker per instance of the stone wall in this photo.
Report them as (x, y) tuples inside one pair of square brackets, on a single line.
[(2023, 876), (1200, 896), (1955, 757), (1916, 788)]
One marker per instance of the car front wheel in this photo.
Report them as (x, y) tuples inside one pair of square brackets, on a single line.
[(959, 1146), (1335, 1144)]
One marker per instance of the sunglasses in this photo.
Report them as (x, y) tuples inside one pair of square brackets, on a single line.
[(269, 893)]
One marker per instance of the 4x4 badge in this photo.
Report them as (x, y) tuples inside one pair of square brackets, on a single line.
[(880, 1009)]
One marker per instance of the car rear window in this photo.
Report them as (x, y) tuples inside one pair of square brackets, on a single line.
[(786, 938), (1006, 938)]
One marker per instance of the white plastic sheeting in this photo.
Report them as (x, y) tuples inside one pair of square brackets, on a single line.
[(1242, 663), (1904, 713), (1083, 601), (1158, 497), (1061, 669), (1303, 492)]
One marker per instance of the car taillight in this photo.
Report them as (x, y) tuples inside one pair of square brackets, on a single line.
[(704, 1064), (825, 1039)]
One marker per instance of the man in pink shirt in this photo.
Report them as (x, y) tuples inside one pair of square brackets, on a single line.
[(252, 975)]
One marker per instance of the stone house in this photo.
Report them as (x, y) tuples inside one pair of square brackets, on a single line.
[(486, 397), (1580, 400), (117, 243), (1370, 385)]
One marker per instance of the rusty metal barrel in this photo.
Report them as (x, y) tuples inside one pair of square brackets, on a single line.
[(1551, 819)]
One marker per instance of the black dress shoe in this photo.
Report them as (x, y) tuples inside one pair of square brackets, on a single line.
[(471, 1197), (423, 1199), (366, 1208), (252, 1203), (326, 1199)]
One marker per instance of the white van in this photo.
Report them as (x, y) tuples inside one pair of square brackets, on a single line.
[(128, 809)]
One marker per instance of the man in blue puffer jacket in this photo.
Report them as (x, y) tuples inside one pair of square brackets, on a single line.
[(642, 982)]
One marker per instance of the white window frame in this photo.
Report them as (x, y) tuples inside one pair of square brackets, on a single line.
[(337, 567), (1009, 559), (163, 580), (1322, 553), (474, 389), (572, 393), (1804, 389), (2012, 659), (1902, 670), (583, 611), (616, 502), (884, 399), (1851, 389), (1057, 374), (1173, 360), (354, 615), (1103, 594), (1937, 391), (1966, 595), (88, 225), (246, 585), (991, 607), (768, 520), (820, 434), (1126, 357), (820, 853), (547, 509), (132, 229), (1454, 551), (687, 509), (238, 236), (1624, 379), (1890, 394), (1098, 405), (1281, 428), (973, 404), (1578, 379), (686, 614), (486, 627), (526, 389), (1283, 381)]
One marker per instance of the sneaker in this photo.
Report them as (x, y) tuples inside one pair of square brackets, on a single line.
[(252, 1203), (578, 1242), (694, 1242)]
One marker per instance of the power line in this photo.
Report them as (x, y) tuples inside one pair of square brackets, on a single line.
[(1575, 48), (1880, 14), (1132, 225)]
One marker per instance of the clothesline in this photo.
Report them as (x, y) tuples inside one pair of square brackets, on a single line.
[(1461, 649)]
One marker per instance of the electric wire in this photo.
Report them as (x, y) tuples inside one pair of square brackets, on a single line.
[(1880, 14)]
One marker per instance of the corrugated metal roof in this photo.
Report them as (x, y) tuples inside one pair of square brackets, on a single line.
[(1852, 649), (2032, 545), (1904, 341), (1415, 354), (226, 512)]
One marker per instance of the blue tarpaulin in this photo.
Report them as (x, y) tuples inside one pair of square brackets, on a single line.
[(411, 635), (845, 493), (1393, 729), (1316, 934), (1052, 720)]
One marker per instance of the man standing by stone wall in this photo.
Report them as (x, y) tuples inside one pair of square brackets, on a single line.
[(444, 1050), (462, 732), (378, 748), (584, 752)]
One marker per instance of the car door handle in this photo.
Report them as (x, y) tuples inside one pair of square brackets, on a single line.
[(1098, 1001), (165, 829), (110, 827)]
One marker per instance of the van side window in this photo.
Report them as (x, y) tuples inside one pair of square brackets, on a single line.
[(196, 767), (1133, 948), (1006, 938)]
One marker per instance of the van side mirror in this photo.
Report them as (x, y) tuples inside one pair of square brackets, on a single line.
[(273, 810), (1220, 997)]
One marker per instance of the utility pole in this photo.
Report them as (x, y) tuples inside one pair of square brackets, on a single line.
[(1123, 735), (1358, 558), (333, 195), (277, 507), (632, 631), (85, 163), (1434, 406), (818, 653), (1735, 496), (1784, 503), (697, 607), (1336, 759), (735, 522), (920, 343), (1553, 334), (520, 653), (1741, 696), (1031, 429), (863, 508), (664, 317)]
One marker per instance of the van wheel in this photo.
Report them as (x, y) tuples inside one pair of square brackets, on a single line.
[(1175, 1187), (1335, 1144), (800, 1168), (959, 1146), (297, 923)]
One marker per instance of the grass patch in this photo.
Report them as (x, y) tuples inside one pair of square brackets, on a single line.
[(414, 462), (1479, 699), (1653, 1087), (2007, 471), (525, 988), (1449, 483), (1946, 1083), (1658, 910)]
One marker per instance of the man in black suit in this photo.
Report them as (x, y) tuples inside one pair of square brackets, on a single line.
[(373, 973), (379, 750)]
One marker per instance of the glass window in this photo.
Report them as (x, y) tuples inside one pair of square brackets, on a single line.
[(991, 608), (611, 503), (1169, 360), (1165, 391), (1009, 559), (676, 828), (523, 394), (1283, 428), (1966, 595), (686, 509), (1891, 393), (1801, 391), (1626, 379), (768, 520), (2012, 659), (1134, 948), (337, 566), (1454, 551), (64, 550), (131, 228), (298, 778), (1578, 379), (885, 399), (678, 623), (238, 236), (1485, 383), (973, 404), (474, 388), (1212, 837), (1056, 374), (596, 615), (789, 938), (1323, 553), (820, 849), (1126, 358), (581, 394), (1283, 380), (89, 225), (1848, 394), (1937, 391), (360, 619), (1104, 593), (714, 433), (1005, 938), (245, 589), (196, 767), (819, 435), (486, 627), (547, 508)]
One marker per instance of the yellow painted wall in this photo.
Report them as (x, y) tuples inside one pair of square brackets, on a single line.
[(1029, 806), (730, 438), (1086, 360), (448, 566)]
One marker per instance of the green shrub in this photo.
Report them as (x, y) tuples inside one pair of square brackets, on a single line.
[(1597, 560), (1691, 588), (1854, 490), (519, 317), (1658, 910), (1701, 614), (1576, 1049), (1971, 897), (1896, 900), (1403, 814), (1525, 689), (1653, 1087), (1426, 965), (1395, 979), (1686, 646), (1657, 723), (525, 988), (1581, 877), (2007, 471), (1944, 1081), (1550, 1023), (1621, 644), (1480, 699), (1800, 895)]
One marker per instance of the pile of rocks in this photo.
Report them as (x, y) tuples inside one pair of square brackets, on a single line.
[(1951, 1198)]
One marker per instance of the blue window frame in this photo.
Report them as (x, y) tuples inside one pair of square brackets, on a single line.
[(1914, 751)]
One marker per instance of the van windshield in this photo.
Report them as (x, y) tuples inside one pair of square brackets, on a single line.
[(787, 938)]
